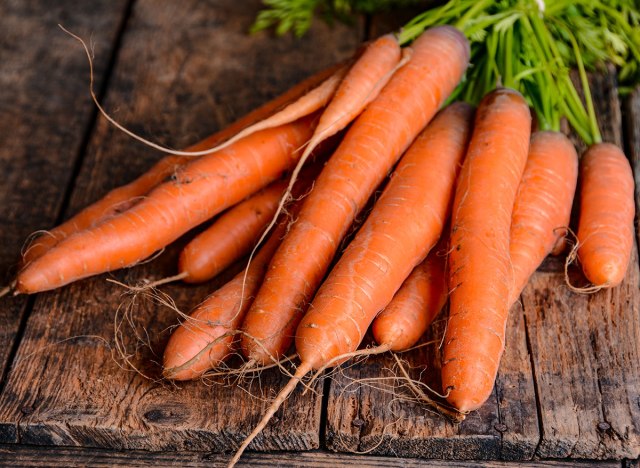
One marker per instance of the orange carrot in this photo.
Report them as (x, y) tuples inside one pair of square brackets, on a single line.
[(360, 86), (543, 204), (369, 149), (230, 237), (403, 226), (418, 301), (200, 190), (605, 230), (122, 198), (207, 338), (480, 276)]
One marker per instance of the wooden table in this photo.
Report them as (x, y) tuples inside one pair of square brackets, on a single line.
[(569, 384)]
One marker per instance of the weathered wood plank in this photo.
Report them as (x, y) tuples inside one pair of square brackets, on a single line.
[(33, 456), (45, 112), (632, 144), (631, 463), (185, 68), (586, 348), (376, 417)]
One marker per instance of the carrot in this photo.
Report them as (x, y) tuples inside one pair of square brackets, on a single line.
[(360, 86), (403, 226), (420, 298), (122, 198), (543, 204), (369, 149), (236, 231), (200, 190), (207, 338), (605, 229), (230, 237), (480, 276)]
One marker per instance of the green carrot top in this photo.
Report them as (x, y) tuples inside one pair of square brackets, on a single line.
[(528, 45)]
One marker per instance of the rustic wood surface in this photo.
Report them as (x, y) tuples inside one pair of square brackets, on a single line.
[(45, 119), (33, 456), (569, 382)]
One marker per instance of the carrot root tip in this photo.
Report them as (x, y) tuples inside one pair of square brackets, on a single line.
[(421, 396), (572, 257), (10, 288)]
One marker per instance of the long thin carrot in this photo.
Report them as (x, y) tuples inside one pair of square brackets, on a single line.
[(605, 230), (480, 276), (200, 190), (405, 223), (122, 198), (359, 87), (372, 145), (416, 304), (230, 237), (543, 204)]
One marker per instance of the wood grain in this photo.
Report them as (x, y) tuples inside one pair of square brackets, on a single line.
[(632, 144), (27, 456), (45, 112), (376, 416), (585, 348), (185, 69)]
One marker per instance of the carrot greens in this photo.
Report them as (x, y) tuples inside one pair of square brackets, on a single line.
[(527, 45)]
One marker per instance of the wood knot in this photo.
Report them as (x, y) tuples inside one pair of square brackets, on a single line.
[(357, 422), (154, 415), (500, 427), (170, 414)]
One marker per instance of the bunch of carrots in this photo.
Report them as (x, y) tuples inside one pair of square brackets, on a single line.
[(474, 203)]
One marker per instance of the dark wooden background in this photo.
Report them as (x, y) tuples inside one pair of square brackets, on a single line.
[(569, 383)]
